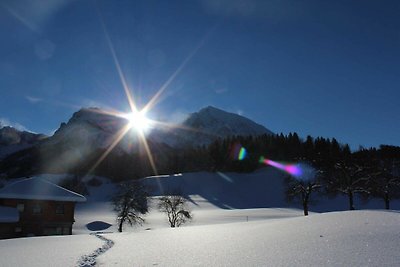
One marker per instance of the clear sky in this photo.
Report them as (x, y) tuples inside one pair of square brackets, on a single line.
[(324, 68)]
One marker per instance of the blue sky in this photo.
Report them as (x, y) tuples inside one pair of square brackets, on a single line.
[(324, 68)]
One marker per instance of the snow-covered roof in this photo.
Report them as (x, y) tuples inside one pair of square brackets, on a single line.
[(8, 214), (39, 189)]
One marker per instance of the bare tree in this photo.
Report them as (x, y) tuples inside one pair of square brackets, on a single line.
[(348, 178), (175, 207), (301, 190), (385, 183), (130, 203)]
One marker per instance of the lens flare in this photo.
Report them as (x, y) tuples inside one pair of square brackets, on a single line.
[(291, 169), (242, 153), (137, 119), (238, 152), (294, 170)]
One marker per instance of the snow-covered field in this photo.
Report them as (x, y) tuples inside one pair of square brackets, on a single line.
[(239, 220), (46, 251), (358, 238)]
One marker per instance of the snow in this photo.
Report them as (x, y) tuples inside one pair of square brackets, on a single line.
[(46, 251), (356, 238), (90, 260), (263, 188), (39, 189), (8, 214), (221, 123), (92, 128), (206, 126), (247, 231), (350, 238)]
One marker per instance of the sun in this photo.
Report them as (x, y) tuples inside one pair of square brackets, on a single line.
[(138, 120)]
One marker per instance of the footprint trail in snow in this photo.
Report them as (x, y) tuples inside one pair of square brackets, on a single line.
[(90, 260)]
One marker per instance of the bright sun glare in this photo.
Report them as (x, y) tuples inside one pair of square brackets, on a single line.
[(138, 120)]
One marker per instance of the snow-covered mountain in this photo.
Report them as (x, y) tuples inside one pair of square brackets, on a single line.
[(209, 124), (91, 127), (13, 140), (217, 122), (86, 137), (88, 128)]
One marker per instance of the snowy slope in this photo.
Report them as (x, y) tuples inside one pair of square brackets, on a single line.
[(263, 188), (214, 198), (351, 238), (220, 234), (357, 238)]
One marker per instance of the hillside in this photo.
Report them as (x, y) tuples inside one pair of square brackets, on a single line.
[(239, 219), (216, 198), (359, 238)]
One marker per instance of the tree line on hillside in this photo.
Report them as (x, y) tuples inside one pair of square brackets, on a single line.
[(367, 172), (373, 172)]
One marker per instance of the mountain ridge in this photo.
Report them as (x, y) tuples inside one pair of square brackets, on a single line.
[(13, 140), (80, 143), (209, 124)]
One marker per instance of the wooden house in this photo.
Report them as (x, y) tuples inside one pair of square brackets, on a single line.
[(36, 207)]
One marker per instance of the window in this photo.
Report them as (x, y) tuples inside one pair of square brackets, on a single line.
[(18, 229), (60, 209), (36, 209), (21, 207)]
